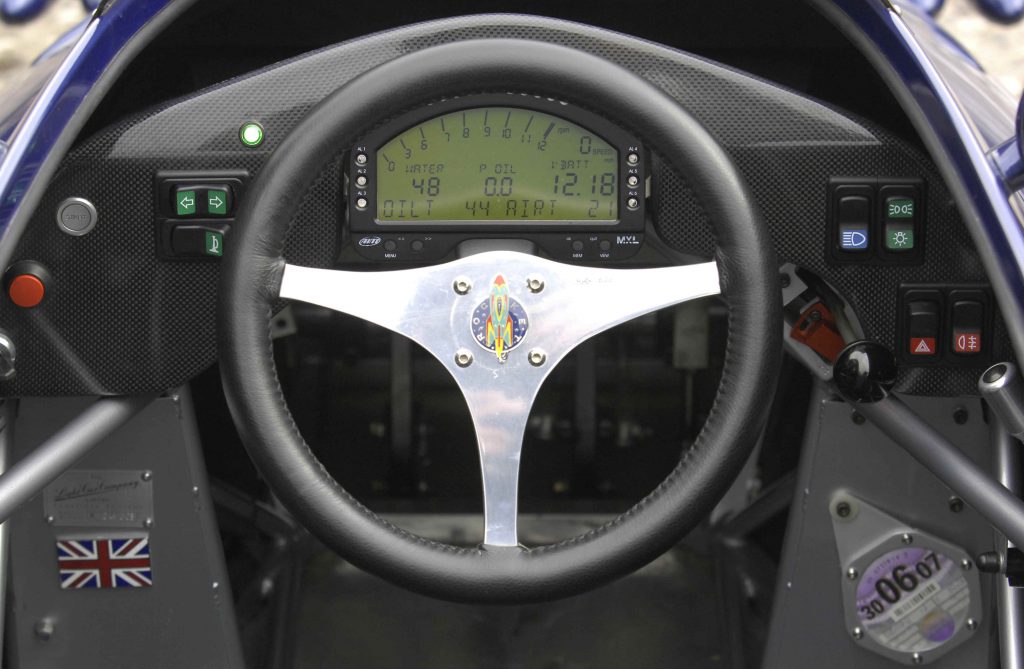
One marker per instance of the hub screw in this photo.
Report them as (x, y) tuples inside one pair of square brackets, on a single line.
[(852, 573), (463, 358), (462, 285), (536, 357), (972, 624), (906, 538), (535, 283), (858, 633)]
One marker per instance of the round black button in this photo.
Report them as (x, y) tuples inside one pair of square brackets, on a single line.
[(417, 245), (577, 245), (390, 245), (605, 245)]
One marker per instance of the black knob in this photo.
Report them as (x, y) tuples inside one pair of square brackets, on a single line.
[(864, 372)]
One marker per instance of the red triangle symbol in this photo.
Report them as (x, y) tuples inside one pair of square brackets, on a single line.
[(923, 347)]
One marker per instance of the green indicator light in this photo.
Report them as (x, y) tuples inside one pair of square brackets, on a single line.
[(216, 202), (185, 202), (899, 237), (899, 207), (251, 134), (214, 243)]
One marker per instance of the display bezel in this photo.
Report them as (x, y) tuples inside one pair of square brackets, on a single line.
[(365, 219)]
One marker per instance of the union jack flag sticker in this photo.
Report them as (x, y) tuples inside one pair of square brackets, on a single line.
[(104, 563)]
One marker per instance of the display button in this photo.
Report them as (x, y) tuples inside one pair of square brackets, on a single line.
[(967, 319), (185, 202), (218, 201), (899, 237)]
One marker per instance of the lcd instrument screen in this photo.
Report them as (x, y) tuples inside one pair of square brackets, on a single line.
[(500, 164)]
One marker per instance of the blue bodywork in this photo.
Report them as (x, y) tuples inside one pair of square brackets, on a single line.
[(966, 120)]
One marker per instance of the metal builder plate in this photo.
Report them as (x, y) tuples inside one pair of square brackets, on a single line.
[(100, 498)]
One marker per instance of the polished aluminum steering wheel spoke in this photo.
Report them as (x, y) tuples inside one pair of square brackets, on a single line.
[(499, 322)]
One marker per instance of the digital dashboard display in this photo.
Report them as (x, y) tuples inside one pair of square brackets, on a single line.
[(501, 164)]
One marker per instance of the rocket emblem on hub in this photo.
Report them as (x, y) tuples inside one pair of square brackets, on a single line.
[(499, 323)]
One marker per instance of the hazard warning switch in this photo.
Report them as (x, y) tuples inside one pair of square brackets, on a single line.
[(922, 327)]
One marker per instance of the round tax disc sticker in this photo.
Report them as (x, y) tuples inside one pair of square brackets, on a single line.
[(912, 600)]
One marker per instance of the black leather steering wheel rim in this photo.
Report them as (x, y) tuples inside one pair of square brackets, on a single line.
[(250, 280)]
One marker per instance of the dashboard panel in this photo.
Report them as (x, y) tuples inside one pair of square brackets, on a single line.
[(116, 282)]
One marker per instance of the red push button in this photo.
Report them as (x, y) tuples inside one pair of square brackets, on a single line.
[(26, 290)]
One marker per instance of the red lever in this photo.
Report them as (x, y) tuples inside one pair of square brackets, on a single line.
[(816, 328)]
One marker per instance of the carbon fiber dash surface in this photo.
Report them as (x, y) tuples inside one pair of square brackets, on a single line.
[(118, 320)]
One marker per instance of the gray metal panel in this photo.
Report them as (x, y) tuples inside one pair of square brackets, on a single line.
[(808, 627), (186, 618)]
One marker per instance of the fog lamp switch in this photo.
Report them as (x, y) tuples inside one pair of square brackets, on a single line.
[(967, 319)]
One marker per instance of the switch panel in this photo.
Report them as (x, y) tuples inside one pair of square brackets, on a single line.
[(876, 220), (945, 324), (195, 211), (900, 214)]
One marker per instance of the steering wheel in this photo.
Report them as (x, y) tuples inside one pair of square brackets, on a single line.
[(435, 305)]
